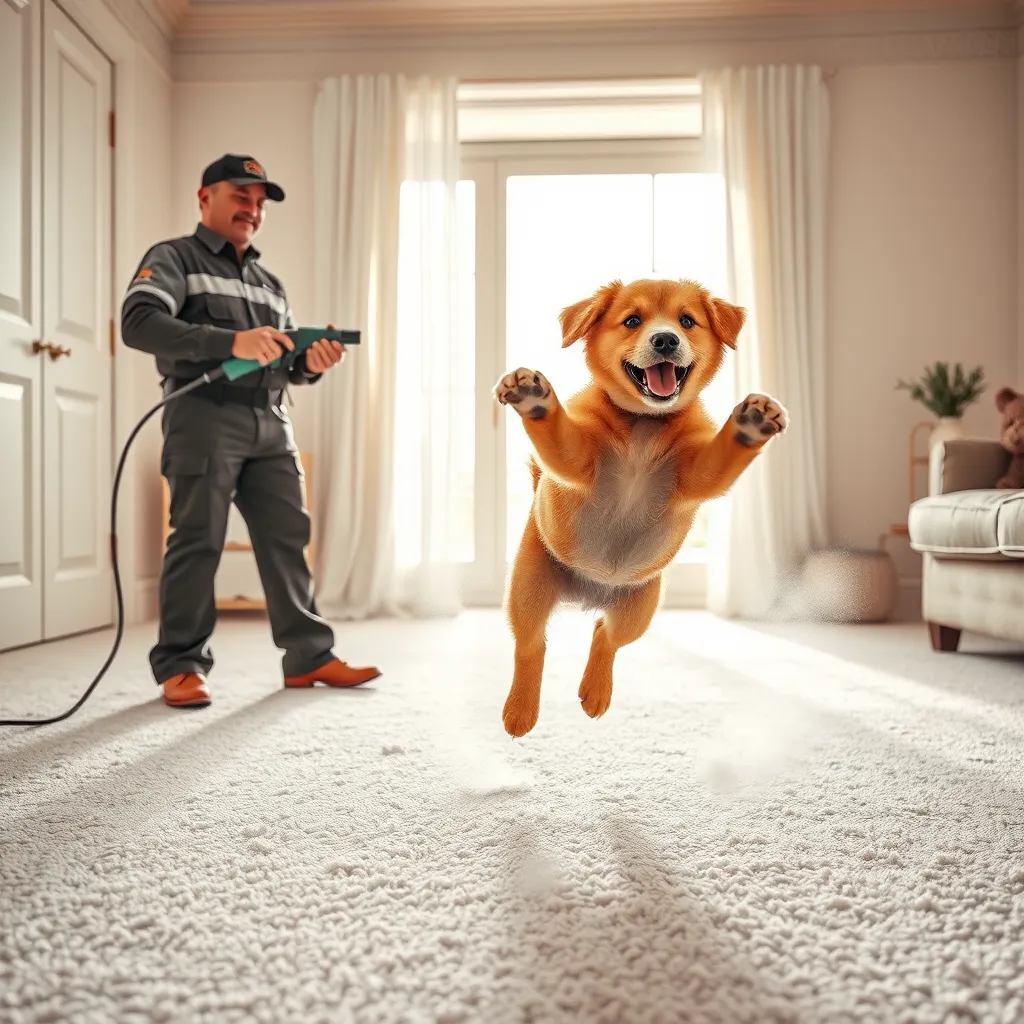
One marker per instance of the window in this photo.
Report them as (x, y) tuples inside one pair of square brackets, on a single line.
[(609, 185), (568, 234)]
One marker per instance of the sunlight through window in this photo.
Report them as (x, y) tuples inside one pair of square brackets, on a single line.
[(559, 251), (411, 459)]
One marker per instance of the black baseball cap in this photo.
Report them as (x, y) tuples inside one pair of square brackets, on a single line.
[(242, 170)]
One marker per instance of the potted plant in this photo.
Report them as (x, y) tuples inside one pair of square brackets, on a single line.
[(946, 395)]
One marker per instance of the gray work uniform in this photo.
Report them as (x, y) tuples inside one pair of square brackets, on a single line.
[(224, 443)]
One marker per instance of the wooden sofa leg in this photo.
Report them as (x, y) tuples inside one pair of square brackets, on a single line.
[(944, 638)]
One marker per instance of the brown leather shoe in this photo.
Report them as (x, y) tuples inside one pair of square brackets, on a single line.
[(188, 690), (334, 673)]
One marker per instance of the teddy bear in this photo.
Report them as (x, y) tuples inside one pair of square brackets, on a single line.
[(1011, 436)]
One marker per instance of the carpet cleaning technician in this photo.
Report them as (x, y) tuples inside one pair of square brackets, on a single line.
[(194, 302)]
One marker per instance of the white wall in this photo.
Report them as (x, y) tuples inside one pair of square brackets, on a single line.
[(1019, 118), (923, 265)]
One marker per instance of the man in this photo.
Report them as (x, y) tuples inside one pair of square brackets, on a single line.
[(195, 301)]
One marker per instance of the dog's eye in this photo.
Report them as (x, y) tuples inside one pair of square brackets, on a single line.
[(633, 321), (687, 321)]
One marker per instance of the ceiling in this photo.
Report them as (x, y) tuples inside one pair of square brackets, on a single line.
[(216, 17), (715, 8)]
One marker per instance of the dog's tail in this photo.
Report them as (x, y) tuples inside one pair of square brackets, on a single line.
[(534, 472)]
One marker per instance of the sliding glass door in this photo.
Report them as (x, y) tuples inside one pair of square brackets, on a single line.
[(542, 226)]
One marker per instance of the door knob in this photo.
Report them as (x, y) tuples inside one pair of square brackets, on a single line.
[(54, 351)]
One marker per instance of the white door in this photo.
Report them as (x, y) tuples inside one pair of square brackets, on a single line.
[(21, 370), (77, 181), (544, 239)]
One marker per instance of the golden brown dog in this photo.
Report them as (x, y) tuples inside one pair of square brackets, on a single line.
[(620, 470)]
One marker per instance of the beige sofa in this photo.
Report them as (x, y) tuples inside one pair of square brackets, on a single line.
[(971, 537)]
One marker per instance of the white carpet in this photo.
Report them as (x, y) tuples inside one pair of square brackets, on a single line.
[(792, 824)]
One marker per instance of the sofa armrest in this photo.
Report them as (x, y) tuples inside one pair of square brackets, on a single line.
[(966, 464)]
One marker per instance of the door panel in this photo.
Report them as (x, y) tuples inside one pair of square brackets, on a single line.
[(76, 321), (21, 513), (76, 453)]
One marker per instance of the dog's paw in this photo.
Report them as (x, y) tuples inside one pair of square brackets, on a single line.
[(527, 391), (595, 694), (758, 418), (519, 716)]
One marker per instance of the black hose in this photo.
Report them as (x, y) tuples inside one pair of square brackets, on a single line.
[(205, 379)]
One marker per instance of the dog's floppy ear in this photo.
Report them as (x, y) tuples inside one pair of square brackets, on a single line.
[(1004, 397), (578, 320), (726, 319)]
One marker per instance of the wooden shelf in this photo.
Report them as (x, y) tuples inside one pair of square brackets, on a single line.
[(244, 602)]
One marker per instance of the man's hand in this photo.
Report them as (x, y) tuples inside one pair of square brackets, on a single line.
[(263, 344), (323, 354)]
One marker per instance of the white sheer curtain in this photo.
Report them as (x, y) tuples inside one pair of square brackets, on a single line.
[(428, 439), (766, 130), (385, 155)]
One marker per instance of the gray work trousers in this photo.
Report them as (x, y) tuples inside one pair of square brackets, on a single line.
[(213, 455)]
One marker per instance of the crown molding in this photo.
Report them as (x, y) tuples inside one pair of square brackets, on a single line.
[(143, 23), (366, 18), (172, 31), (169, 14), (947, 35), (179, 33), (553, 55)]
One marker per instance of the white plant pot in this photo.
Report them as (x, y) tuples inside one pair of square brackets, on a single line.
[(948, 428)]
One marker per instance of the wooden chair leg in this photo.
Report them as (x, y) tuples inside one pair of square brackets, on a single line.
[(944, 638)]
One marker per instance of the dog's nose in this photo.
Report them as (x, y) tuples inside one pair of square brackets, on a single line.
[(664, 342)]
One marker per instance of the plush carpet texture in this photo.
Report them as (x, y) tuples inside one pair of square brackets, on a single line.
[(776, 824)]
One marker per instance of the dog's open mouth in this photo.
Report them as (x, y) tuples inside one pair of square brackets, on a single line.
[(662, 381)]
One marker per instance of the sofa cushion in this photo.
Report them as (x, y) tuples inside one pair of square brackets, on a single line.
[(985, 524), (1010, 526)]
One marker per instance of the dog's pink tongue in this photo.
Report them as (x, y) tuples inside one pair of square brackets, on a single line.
[(661, 379)]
